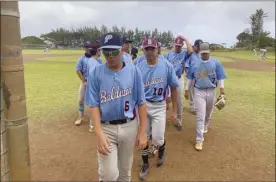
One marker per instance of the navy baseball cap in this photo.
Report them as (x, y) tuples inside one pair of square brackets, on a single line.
[(111, 41), (127, 40), (198, 42)]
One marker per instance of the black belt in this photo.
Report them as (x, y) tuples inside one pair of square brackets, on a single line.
[(116, 122), (154, 101)]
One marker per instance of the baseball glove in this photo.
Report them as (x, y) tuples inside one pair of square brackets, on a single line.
[(221, 101)]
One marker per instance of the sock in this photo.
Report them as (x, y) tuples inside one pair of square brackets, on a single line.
[(161, 150), (145, 155)]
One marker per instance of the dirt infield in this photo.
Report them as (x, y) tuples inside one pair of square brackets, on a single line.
[(60, 151), (249, 65)]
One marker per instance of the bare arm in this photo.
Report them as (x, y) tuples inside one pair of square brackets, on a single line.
[(221, 86), (96, 118), (81, 76), (142, 110), (189, 47), (174, 99)]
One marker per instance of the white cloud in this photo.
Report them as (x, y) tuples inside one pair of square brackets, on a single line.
[(217, 22)]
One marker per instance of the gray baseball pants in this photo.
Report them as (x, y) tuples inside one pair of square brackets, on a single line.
[(116, 166), (204, 103), (156, 122)]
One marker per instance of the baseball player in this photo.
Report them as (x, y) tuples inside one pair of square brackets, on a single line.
[(262, 54), (191, 60), (157, 75), (126, 57), (143, 57), (134, 52), (113, 91), (89, 60), (178, 59), (208, 73)]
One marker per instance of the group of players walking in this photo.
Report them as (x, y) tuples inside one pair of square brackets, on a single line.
[(128, 98)]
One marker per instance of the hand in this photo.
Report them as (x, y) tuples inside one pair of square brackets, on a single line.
[(103, 144), (173, 116), (186, 95), (84, 83), (141, 140), (222, 95)]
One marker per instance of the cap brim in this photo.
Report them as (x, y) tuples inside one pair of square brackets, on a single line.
[(111, 47), (149, 46), (205, 51), (181, 45)]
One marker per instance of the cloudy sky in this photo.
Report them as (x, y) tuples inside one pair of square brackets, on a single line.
[(216, 22)]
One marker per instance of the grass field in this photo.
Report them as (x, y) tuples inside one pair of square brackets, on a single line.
[(247, 121), (246, 55)]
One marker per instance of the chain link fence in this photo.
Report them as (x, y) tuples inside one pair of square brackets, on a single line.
[(5, 168)]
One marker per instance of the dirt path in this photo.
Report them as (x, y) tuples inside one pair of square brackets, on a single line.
[(60, 151), (249, 65)]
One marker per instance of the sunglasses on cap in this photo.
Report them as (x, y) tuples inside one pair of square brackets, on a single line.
[(111, 52)]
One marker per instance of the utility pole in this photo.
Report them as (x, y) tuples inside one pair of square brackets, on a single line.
[(12, 77)]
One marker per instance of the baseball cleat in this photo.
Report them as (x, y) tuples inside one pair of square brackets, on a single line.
[(144, 172), (78, 121), (160, 161), (199, 146), (178, 127), (91, 127), (205, 130)]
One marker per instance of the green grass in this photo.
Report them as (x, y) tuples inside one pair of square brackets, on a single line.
[(41, 51), (246, 55), (51, 87), (60, 58)]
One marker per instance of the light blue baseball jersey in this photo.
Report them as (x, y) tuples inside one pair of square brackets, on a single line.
[(92, 63), (193, 57), (82, 66), (115, 93), (206, 73), (126, 58), (157, 78), (178, 60), (143, 57)]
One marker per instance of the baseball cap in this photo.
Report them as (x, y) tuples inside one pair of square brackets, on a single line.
[(179, 41), (149, 43), (127, 40), (111, 41), (94, 45), (198, 42), (204, 48)]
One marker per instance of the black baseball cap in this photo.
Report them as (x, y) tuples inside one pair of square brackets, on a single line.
[(198, 42), (111, 41), (127, 40)]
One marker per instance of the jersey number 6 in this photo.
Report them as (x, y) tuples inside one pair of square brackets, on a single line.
[(126, 105), (160, 91)]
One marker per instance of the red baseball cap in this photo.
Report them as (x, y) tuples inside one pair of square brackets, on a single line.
[(149, 43), (179, 41)]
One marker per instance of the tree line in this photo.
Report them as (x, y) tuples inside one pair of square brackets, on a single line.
[(255, 36), (76, 37)]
